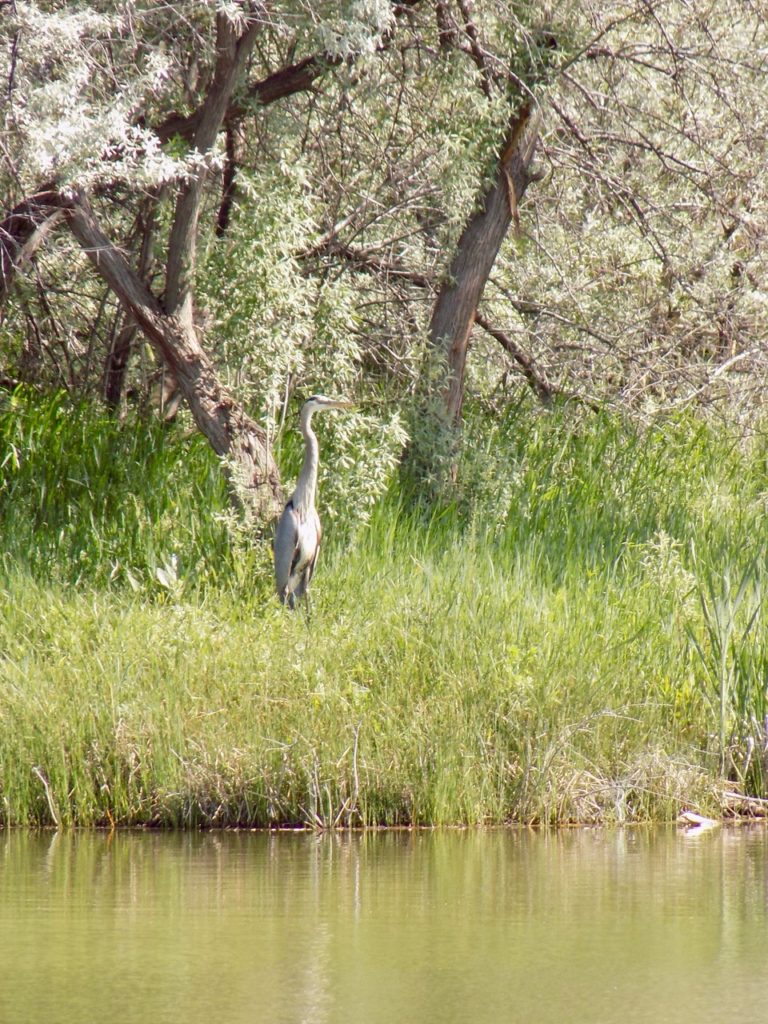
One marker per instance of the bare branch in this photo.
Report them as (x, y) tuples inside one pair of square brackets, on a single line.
[(227, 427), (478, 54), (538, 382), (23, 231)]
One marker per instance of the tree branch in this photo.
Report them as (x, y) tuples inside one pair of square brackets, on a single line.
[(538, 382), (295, 78), (228, 428), (285, 82), (231, 56), (479, 244), (476, 50), (23, 231), (366, 260)]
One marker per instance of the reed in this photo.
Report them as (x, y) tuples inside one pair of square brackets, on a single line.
[(87, 499), (547, 648)]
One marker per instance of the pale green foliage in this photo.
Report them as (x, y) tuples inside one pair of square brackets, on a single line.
[(287, 334), (359, 465), (252, 288), (641, 264), (357, 27), (661, 560), (82, 82), (359, 454)]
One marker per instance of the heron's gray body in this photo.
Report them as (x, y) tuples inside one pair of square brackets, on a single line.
[(297, 544), (298, 534)]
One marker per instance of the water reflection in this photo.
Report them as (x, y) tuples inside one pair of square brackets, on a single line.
[(633, 925)]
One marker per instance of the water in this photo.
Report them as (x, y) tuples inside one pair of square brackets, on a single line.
[(635, 925)]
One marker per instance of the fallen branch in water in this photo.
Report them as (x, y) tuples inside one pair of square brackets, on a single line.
[(737, 803)]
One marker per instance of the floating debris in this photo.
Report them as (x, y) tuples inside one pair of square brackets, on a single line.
[(696, 823)]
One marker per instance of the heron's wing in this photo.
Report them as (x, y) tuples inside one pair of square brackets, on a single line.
[(286, 548), (315, 531)]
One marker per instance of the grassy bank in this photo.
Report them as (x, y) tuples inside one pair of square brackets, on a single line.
[(581, 637)]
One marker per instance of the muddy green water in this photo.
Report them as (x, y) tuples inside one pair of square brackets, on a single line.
[(593, 926)]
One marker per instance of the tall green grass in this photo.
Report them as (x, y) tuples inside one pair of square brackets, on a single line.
[(579, 636), (85, 498)]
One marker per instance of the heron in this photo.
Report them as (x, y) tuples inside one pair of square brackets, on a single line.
[(298, 533)]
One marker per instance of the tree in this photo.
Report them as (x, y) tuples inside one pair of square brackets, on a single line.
[(639, 280), (519, 79), (626, 275), (321, 196), (170, 326)]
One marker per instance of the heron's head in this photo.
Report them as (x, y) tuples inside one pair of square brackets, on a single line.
[(320, 403)]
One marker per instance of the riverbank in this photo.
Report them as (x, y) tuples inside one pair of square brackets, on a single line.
[(594, 650)]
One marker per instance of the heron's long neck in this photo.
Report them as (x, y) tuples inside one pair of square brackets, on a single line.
[(304, 494)]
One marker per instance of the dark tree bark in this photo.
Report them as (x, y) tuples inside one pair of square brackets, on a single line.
[(537, 381), (230, 431), (116, 362), (459, 297), (23, 230), (285, 82), (232, 53), (228, 187), (25, 227), (170, 327)]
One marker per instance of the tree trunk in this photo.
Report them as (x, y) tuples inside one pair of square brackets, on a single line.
[(228, 186), (231, 57), (117, 363), (233, 435), (457, 302)]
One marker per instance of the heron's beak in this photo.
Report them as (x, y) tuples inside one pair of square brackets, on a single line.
[(344, 405)]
